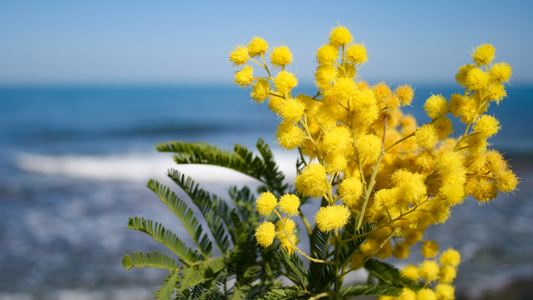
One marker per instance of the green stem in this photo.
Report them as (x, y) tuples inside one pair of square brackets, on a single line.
[(265, 65), (298, 249), (317, 94), (338, 281)]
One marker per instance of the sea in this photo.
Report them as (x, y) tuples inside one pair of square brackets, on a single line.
[(74, 163)]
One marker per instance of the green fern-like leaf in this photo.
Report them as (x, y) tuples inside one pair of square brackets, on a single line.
[(319, 273), (168, 287), (244, 201), (239, 292), (198, 274), (372, 280), (243, 258), (348, 248), (388, 274), (208, 206), (369, 290), (272, 175), (241, 160), (294, 268), (213, 294), (165, 237), (239, 229), (150, 260), (185, 214), (284, 293), (191, 278), (201, 153)]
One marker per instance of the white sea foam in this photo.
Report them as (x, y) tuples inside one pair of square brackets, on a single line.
[(138, 167)]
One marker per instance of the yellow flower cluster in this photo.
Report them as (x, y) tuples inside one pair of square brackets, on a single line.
[(286, 227), (438, 278), (371, 162)]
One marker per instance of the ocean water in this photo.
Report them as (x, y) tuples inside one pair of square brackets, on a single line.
[(74, 163)]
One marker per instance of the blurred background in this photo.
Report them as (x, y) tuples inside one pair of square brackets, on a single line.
[(88, 87)]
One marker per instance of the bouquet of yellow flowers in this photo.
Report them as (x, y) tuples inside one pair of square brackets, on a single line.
[(381, 179)]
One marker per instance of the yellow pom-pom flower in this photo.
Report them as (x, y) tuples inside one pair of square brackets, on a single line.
[(325, 75), (387, 298), (260, 90), (335, 163), (285, 82), (430, 249), (495, 161), (356, 53), (427, 136), (312, 180), (401, 177), (385, 198), (351, 190), (450, 257), (265, 233), (332, 217), (444, 127), (497, 92), (426, 294), (369, 148), (411, 186), (327, 54), (342, 90), (461, 106), (356, 261), (289, 204), (408, 294), (485, 190), (363, 101), (507, 181), (405, 93), (245, 76), (257, 46), (381, 91), (447, 274), (266, 203), (401, 251), (369, 246), (477, 144), (435, 106), (286, 236), (289, 136), (292, 110), (385, 251), (337, 140), (289, 227), (382, 233), (450, 162), (429, 270), (501, 72), (413, 237), (483, 55), (486, 126), (460, 77), (275, 103), (411, 272), (281, 56), (476, 79), (340, 36), (239, 55), (445, 292)]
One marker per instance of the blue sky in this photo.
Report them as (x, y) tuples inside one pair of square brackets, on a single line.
[(181, 42)]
